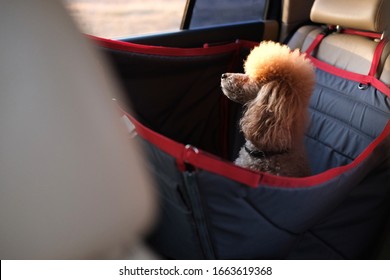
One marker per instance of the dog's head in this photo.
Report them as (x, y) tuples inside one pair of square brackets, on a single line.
[(238, 87), (275, 90)]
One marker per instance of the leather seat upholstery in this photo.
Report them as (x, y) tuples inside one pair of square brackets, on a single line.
[(346, 51), (350, 52)]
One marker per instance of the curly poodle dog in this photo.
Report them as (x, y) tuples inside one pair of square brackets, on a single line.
[(275, 91)]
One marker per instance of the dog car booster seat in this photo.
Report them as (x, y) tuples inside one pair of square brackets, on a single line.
[(212, 209)]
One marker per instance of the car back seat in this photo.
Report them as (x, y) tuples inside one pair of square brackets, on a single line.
[(354, 52), (347, 51)]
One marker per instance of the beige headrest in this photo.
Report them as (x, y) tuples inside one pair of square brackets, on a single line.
[(369, 15)]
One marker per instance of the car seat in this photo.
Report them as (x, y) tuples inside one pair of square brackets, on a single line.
[(358, 27)]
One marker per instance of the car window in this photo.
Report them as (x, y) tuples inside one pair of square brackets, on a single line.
[(123, 18), (217, 12)]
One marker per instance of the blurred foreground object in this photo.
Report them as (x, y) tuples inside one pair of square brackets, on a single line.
[(72, 186)]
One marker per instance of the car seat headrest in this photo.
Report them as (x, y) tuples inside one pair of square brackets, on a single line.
[(369, 15)]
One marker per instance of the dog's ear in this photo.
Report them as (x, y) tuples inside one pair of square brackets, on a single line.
[(272, 119)]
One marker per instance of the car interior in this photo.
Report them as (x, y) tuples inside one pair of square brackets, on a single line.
[(75, 185)]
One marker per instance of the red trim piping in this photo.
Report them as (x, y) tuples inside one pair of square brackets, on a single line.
[(158, 50), (206, 161), (247, 44), (195, 157)]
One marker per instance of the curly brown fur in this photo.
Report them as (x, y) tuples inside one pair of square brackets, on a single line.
[(275, 91)]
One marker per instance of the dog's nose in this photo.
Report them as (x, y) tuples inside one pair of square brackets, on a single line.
[(224, 76)]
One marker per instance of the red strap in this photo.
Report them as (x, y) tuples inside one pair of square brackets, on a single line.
[(363, 79), (315, 43), (377, 57), (372, 35)]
